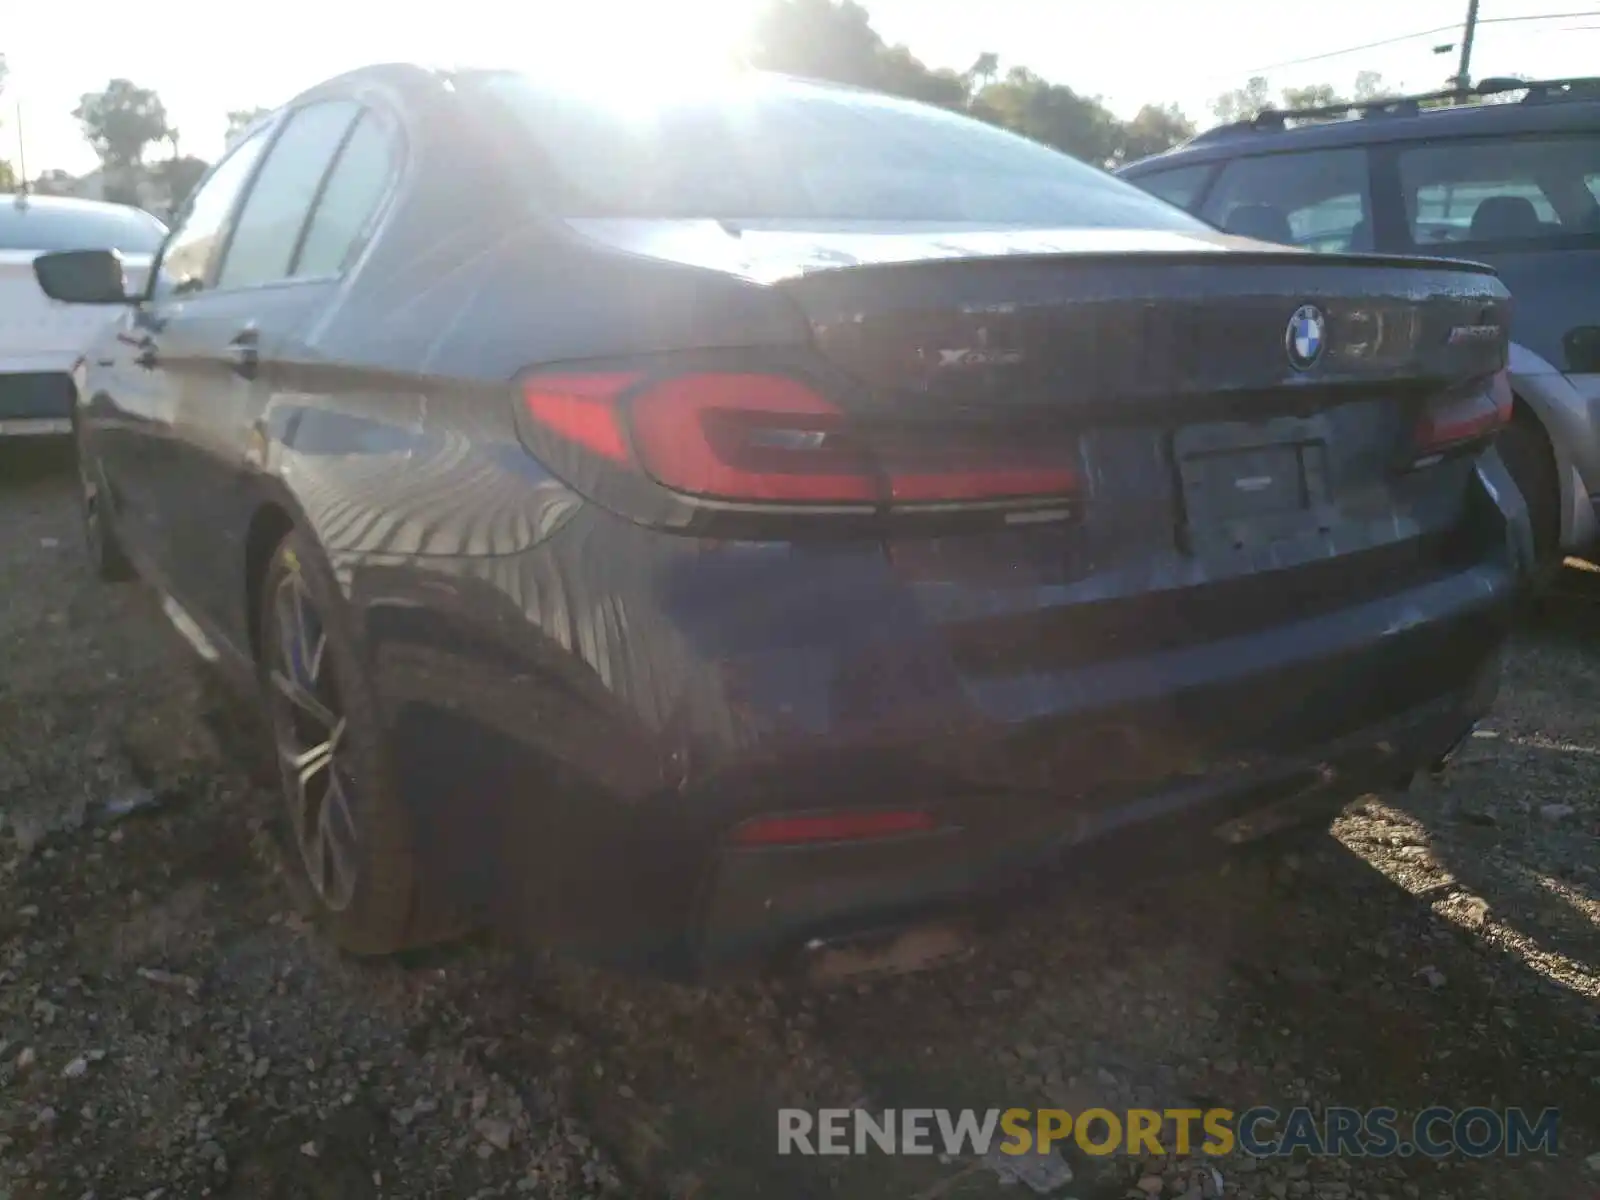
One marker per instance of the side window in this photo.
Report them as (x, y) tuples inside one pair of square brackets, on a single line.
[(355, 188), (1179, 186), (193, 244), (1514, 190), (262, 247), (1314, 199)]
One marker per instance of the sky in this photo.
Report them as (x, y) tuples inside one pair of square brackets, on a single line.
[(1128, 52)]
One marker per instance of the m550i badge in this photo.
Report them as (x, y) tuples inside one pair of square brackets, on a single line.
[(1474, 333)]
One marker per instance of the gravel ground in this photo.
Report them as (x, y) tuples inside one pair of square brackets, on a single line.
[(169, 1027)]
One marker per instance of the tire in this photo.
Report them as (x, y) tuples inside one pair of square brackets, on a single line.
[(375, 910), (1526, 452), (106, 558)]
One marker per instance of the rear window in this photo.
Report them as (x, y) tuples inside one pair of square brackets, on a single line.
[(1515, 191), (49, 227), (1315, 199), (1176, 185), (765, 148)]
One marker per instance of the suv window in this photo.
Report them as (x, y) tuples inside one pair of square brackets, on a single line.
[(77, 225), (1521, 190), (349, 199), (200, 230), (1176, 185), (1314, 199), (267, 232)]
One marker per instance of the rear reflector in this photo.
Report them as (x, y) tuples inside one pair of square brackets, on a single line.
[(1464, 419), (832, 827), (752, 438)]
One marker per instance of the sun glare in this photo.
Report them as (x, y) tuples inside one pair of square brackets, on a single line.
[(633, 55)]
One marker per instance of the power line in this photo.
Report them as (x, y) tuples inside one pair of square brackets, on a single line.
[(1421, 33)]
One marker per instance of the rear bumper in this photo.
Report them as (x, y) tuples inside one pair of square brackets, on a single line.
[(593, 717), (36, 403), (767, 907)]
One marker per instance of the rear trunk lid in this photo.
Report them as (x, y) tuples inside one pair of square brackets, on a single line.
[(1079, 320), (1247, 420), (1155, 335)]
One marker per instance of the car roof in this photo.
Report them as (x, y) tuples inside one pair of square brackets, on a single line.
[(24, 202), (1566, 115), (414, 76)]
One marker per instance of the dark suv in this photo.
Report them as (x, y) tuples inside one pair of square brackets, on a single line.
[(1480, 175)]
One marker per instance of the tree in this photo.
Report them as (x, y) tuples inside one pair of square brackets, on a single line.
[(1318, 95), (119, 123), (178, 176), (1154, 128), (1250, 101), (1243, 104), (901, 73), (834, 40), (240, 119), (1052, 113), (55, 182), (1370, 86), (818, 39), (984, 70)]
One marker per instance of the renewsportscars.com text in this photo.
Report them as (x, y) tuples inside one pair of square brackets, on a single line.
[(1260, 1132)]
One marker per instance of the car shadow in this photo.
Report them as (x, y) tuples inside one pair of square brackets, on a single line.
[(26, 460)]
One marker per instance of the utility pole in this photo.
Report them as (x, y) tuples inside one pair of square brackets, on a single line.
[(1463, 79), (22, 159)]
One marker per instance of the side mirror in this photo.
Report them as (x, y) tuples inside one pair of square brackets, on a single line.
[(82, 276)]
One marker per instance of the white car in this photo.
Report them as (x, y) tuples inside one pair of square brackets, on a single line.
[(42, 339)]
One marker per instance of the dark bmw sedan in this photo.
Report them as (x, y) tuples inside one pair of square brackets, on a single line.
[(771, 518)]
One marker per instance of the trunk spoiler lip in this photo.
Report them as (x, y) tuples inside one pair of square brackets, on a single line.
[(1269, 256), (763, 254)]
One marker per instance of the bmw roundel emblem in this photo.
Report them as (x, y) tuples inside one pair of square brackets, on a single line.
[(1306, 336)]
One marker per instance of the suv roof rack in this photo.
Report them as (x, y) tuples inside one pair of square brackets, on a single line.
[(1538, 91)]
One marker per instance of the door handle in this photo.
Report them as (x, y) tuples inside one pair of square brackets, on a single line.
[(244, 350)]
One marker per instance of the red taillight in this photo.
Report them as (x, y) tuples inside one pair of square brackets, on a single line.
[(1464, 419), (752, 438), (832, 827), (582, 409)]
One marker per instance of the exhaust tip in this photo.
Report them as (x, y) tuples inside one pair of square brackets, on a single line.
[(828, 962)]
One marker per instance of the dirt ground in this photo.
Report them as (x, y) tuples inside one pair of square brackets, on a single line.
[(170, 1028)]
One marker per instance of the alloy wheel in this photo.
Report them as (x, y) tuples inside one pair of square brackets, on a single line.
[(311, 735)]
